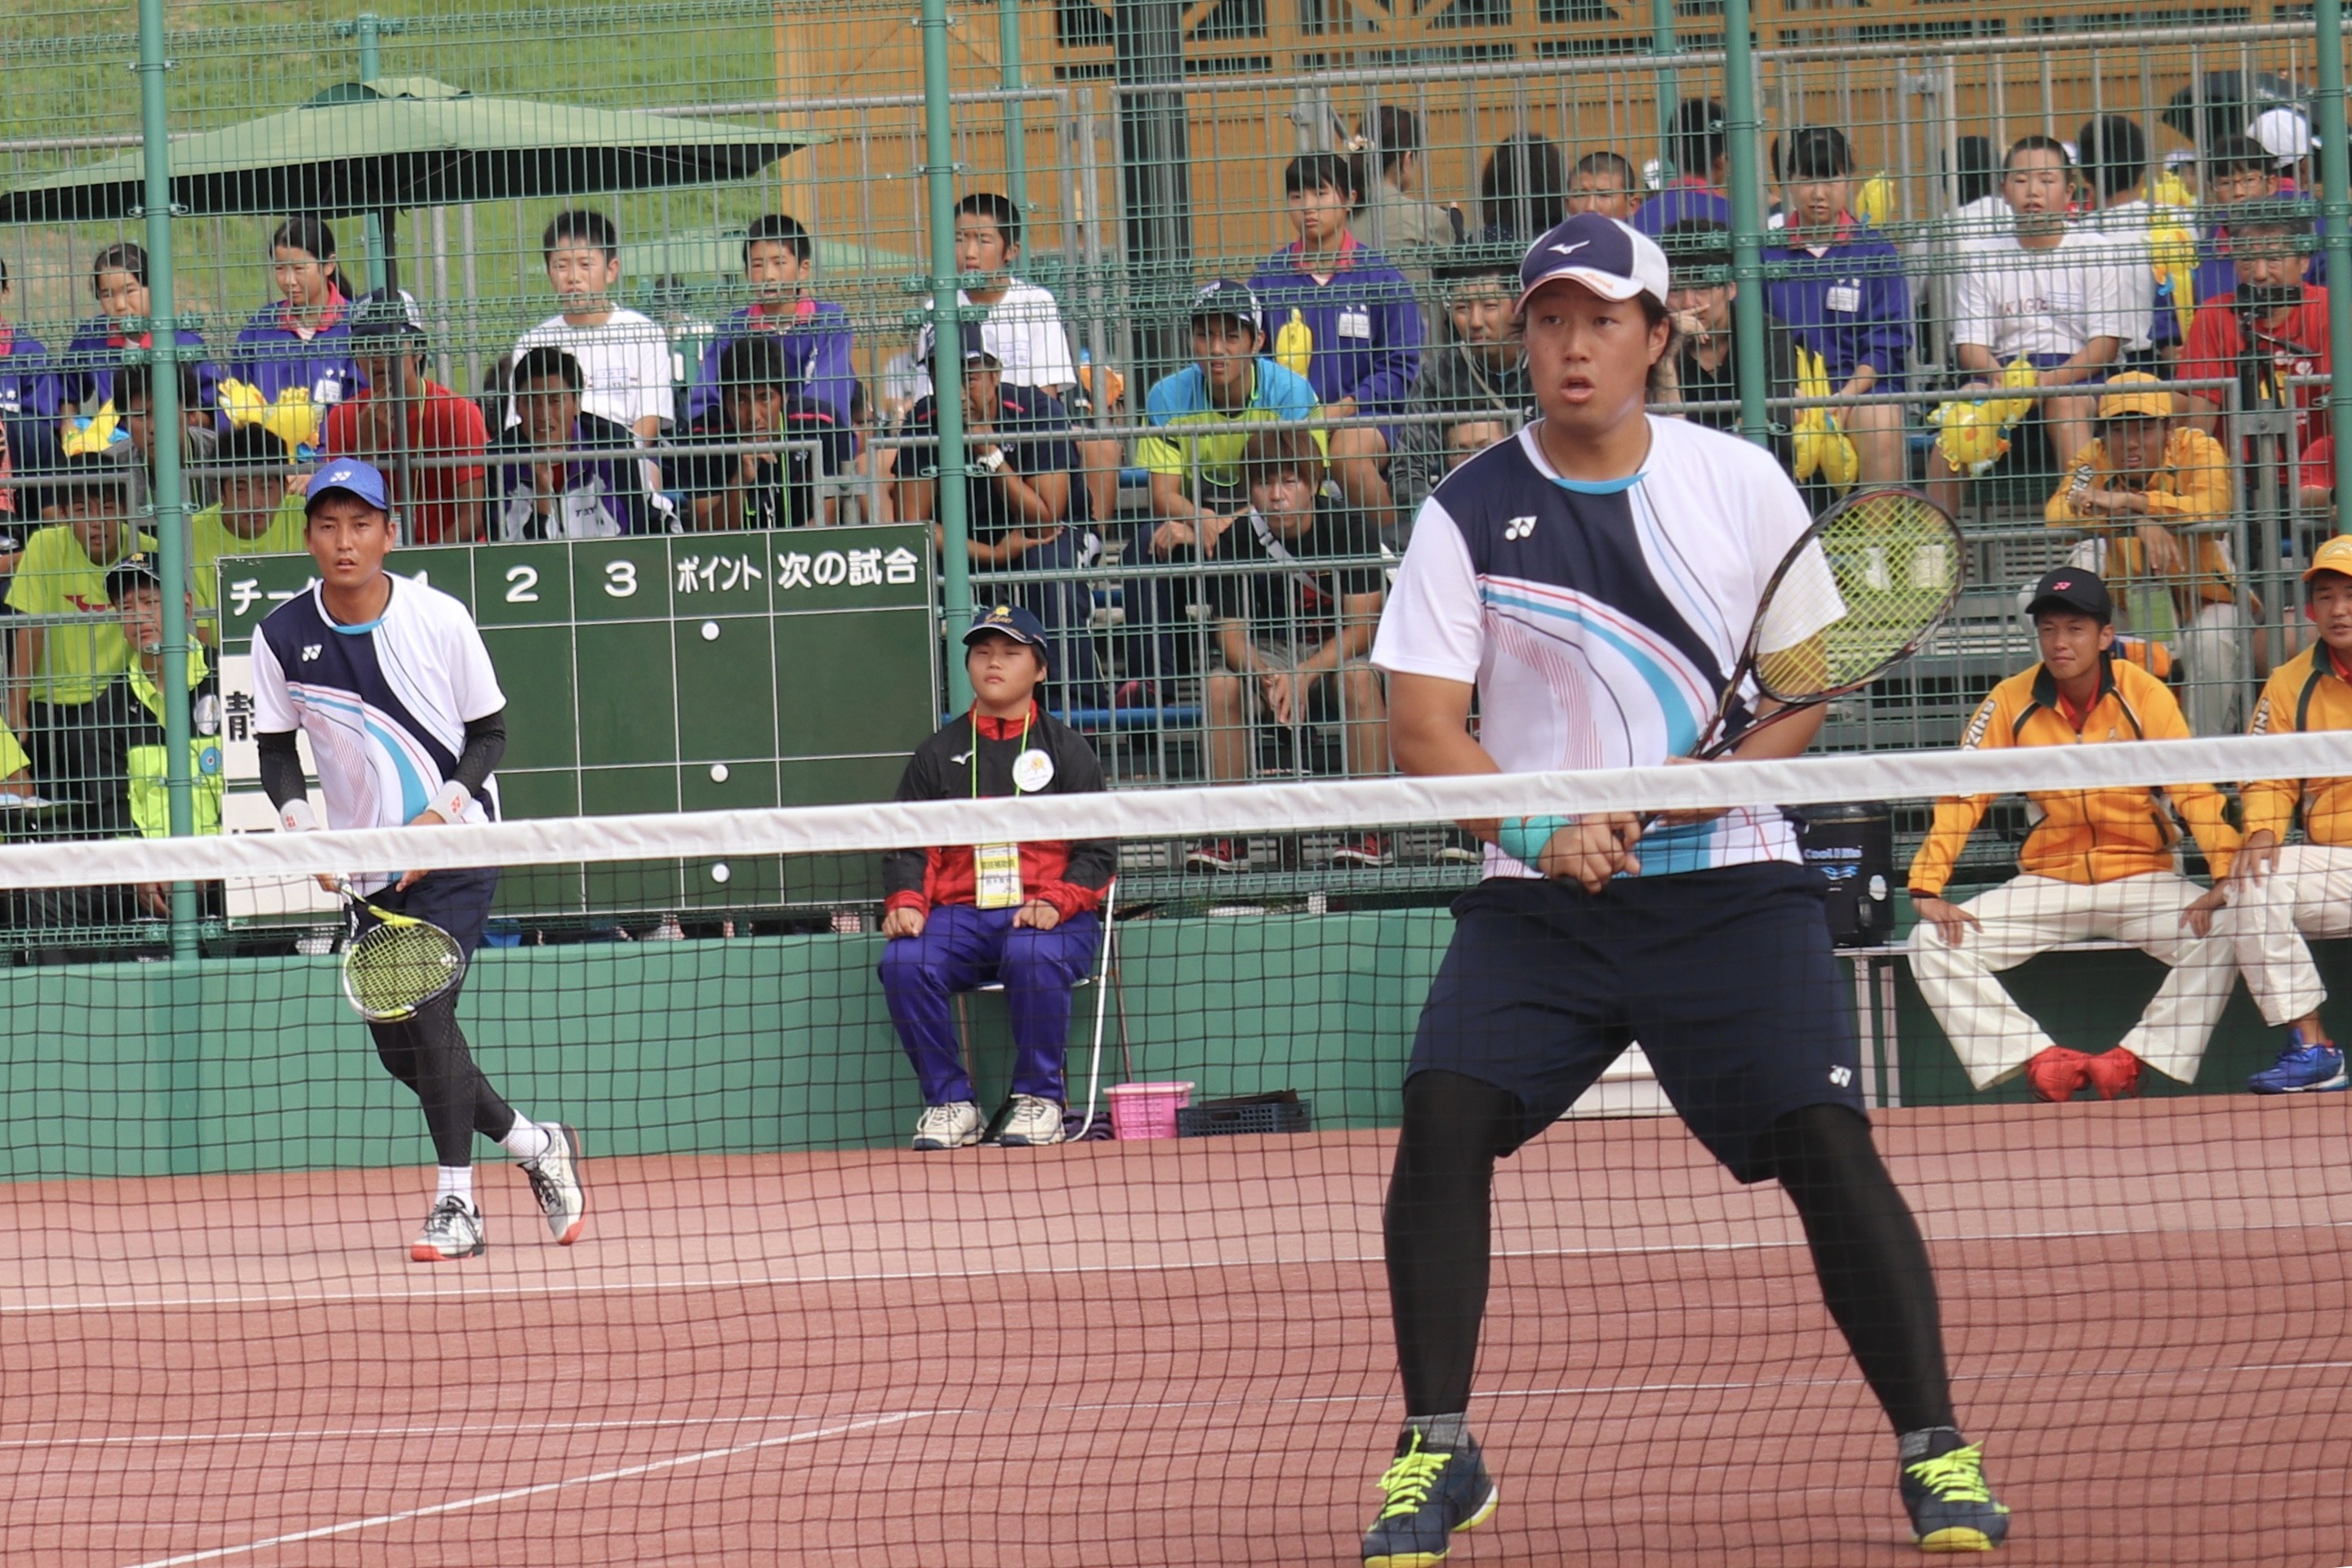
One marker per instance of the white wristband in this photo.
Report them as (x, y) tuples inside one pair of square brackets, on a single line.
[(452, 800), (296, 816)]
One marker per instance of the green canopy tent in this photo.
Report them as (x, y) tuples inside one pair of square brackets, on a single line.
[(410, 142)]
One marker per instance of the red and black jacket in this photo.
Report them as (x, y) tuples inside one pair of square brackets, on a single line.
[(1071, 877)]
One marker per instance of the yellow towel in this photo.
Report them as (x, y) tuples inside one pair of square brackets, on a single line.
[(1294, 345), (1822, 447), (293, 418), (93, 435)]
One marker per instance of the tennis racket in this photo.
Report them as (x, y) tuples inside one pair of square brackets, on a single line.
[(395, 968), (1876, 575)]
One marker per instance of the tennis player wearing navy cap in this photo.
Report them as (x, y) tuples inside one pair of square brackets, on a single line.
[(1591, 584), (959, 917), (390, 681)]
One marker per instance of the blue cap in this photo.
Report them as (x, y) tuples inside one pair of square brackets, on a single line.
[(350, 476), (968, 334), (1614, 260), (1008, 620)]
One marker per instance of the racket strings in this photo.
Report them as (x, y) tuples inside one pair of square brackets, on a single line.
[(391, 971), (1894, 569)]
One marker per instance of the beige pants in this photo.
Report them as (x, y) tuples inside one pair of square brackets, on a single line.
[(2307, 893), (1994, 1038)]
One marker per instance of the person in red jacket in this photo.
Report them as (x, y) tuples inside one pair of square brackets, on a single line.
[(1025, 914)]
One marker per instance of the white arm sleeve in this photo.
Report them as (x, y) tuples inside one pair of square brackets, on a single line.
[(1434, 623)]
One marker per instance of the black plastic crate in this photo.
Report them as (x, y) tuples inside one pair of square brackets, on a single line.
[(1231, 1117)]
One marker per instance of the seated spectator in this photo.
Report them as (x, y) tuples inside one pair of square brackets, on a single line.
[(774, 482), (624, 355), (1522, 191), (2134, 489), (1977, 213), (58, 669), (2282, 894), (779, 263), (260, 513), (2157, 253), (134, 400), (1706, 347), (2288, 317), (2238, 175), (1026, 916), (1465, 438), (28, 391), (1840, 292), (300, 349), (1480, 371), (2046, 294), (561, 472), (1200, 419), (118, 278), (1604, 183), (1023, 328), (1343, 318), (1294, 636), (398, 414), (2097, 864), (1017, 503), (1700, 187), (1398, 221)]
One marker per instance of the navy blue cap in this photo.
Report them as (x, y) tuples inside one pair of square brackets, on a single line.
[(350, 476), (1226, 298), (2071, 588), (1007, 620), (975, 348), (1614, 260), (129, 574)]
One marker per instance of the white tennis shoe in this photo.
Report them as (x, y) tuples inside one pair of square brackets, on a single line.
[(1033, 1123), (453, 1230), (955, 1125), (555, 1183)]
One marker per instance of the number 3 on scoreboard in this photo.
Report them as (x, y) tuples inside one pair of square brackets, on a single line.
[(522, 585), (620, 578)]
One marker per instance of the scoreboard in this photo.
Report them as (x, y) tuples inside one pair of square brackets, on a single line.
[(680, 672)]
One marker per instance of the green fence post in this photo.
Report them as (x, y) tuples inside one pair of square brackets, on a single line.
[(947, 322), (1740, 128), (2336, 240), (171, 519), (1016, 126), (1668, 84), (368, 30)]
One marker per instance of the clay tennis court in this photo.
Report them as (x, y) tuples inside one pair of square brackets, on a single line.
[(1173, 1353)]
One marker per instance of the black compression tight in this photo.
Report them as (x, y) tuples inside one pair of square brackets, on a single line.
[(429, 1054), (1867, 1247)]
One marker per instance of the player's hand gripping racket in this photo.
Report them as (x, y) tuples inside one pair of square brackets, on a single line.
[(396, 967), (1872, 579)]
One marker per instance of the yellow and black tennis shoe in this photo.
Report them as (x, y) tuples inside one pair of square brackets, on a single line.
[(1426, 1497), (1952, 1508)]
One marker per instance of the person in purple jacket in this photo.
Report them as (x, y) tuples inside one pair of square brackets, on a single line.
[(1344, 317), (1837, 285), (118, 278), (28, 392), (779, 263), (303, 341)]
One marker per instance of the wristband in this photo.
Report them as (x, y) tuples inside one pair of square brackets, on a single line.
[(451, 801), (1523, 837), (296, 816), (1916, 894)]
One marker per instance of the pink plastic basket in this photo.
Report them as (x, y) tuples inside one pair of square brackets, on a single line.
[(1146, 1110)]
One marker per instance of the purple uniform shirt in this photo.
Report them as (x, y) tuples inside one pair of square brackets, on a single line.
[(816, 343), (1366, 325)]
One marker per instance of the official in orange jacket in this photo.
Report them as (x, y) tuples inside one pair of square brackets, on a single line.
[(2280, 893), (2098, 863)]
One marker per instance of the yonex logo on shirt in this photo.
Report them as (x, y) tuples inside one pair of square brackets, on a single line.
[(1841, 1076), (1518, 528), (311, 651)]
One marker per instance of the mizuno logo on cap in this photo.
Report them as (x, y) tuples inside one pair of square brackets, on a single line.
[(1571, 249)]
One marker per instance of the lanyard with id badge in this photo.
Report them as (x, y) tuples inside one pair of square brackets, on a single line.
[(996, 867)]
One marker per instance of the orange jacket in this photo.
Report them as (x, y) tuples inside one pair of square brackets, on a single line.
[(2192, 487), (2082, 836), (2310, 691)]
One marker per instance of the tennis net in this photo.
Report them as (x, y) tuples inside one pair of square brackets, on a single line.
[(782, 1329)]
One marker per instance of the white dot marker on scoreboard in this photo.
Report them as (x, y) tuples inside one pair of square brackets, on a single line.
[(719, 772), (719, 872), (710, 631)]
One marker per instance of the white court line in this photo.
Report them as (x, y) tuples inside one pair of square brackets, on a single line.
[(487, 1500), (345, 1434), (554, 1288)]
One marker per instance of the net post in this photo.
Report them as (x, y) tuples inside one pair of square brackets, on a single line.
[(2335, 206), (163, 394), (1740, 130), (947, 328)]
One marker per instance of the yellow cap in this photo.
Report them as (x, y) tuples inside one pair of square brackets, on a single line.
[(2336, 555), (2147, 398)]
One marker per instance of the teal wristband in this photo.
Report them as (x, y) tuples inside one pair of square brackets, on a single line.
[(1523, 837)]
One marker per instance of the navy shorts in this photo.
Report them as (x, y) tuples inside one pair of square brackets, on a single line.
[(456, 901), (1726, 977)]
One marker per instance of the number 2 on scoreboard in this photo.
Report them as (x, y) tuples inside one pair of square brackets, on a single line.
[(522, 585)]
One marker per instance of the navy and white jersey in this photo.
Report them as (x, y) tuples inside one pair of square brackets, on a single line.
[(1601, 622), (385, 703)]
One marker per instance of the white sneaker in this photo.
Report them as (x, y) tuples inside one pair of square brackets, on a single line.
[(555, 1183), (1033, 1123), (453, 1230), (955, 1125)]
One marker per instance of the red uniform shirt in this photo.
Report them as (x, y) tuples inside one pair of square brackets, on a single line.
[(2297, 347), (442, 423)]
